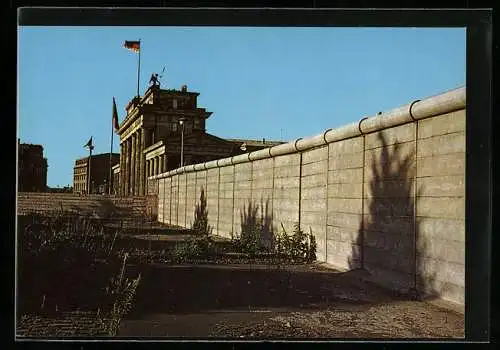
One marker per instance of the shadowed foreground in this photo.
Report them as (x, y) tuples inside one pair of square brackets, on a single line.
[(296, 301)]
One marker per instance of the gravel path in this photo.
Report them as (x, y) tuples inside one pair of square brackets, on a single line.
[(396, 320), (316, 302)]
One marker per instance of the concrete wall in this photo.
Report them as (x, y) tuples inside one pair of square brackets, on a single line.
[(104, 206), (385, 194)]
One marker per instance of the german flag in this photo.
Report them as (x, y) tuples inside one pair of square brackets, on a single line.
[(132, 45)]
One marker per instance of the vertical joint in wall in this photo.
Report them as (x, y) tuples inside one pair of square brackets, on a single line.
[(195, 187), (178, 199), (186, 201), (218, 200), (170, 202), (326, 192), (272, 195), (414, 223), (326, 198), (232, 209), (300, 188), (362, 229), (251, 180)]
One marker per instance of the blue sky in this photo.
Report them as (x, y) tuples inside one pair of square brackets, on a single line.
[(273, 83)]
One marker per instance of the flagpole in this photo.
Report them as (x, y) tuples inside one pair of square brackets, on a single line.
[(110, 157), (88, 176), (139, 68)]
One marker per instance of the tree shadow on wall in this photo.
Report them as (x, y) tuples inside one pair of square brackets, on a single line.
[(389, 244), (256, 224)]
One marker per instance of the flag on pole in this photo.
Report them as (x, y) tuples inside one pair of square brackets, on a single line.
[(115, 116), (89, 144), (132, 45)]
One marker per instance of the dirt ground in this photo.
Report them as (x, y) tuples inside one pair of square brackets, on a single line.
[(264, 303)]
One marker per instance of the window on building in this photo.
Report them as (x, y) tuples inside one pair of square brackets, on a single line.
[(174, 126), (196, 123), (174, 103)]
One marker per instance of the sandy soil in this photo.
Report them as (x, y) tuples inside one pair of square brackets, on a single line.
[(294, 302)]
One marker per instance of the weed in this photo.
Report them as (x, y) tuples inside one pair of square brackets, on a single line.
[(200, 226)]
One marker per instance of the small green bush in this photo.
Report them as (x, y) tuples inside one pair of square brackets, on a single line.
[(251, 230), (298, 246), (311, 256), (186, 249), (200, 225), (194, 248)]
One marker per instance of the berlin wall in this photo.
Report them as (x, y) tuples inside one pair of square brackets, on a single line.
[(386, 194)]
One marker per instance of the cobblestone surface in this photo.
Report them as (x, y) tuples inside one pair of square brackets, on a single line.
[(67, 324)]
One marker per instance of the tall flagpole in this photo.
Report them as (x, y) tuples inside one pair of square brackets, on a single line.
[(110, 157), (139, 68), (89, 170)]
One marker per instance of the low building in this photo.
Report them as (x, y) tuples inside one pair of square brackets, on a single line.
[(65, 189), (32, 168), (99, 173)]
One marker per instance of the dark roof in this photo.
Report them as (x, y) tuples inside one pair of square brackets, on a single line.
[(176, 91), (100, 155)]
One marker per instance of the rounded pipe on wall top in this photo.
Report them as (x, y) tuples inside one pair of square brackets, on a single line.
[(443, 103), (282, 149), (260, 154), (199, 166), (410, 111), (359, 125), (211, 164), (397, 116), (342, 133), (295, 144), (223, 162), (310, 142), (241, 158), (419, 109), (324, 135), (189, 168)]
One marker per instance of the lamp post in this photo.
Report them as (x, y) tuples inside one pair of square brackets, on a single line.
[(181, 122)]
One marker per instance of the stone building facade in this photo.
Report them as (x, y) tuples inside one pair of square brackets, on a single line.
[(99, 171), (151, 136), (32, 168)]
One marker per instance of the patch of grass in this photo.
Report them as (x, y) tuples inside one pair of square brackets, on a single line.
[(296, 247), (77, 259), (122, 291)]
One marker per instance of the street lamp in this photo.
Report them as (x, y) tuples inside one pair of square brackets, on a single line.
[(181, 122)]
